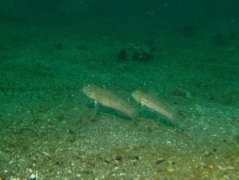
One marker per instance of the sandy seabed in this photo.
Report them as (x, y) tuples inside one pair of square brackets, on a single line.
[(50, 129)]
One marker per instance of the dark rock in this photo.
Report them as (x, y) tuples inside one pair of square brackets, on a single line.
[(137, 52), (59, 46), (122, 54), (81, 47), (187, 30), (118, 158), (236, 138), (135, 157)]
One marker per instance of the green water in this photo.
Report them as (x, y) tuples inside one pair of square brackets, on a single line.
[(185, 53)]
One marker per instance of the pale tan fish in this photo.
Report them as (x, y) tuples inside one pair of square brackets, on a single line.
[(109, 99), (154, 104)]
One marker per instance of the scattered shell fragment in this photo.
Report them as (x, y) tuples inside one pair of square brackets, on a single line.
[(107, 98)]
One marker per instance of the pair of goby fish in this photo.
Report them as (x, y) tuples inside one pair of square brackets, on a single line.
[(109, 99)]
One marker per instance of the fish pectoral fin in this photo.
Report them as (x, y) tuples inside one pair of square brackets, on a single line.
[(96, 104), (142, 103)]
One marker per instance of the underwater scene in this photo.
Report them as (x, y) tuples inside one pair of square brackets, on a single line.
[(123, 89)]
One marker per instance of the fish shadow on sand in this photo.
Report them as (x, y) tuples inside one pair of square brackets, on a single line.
[(107, 111), (144, 113)]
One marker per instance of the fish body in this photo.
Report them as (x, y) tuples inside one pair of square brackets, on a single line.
[(109, 99), (154, 104)]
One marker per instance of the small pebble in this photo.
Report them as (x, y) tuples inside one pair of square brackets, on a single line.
[(160, 160), (207, 154)]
